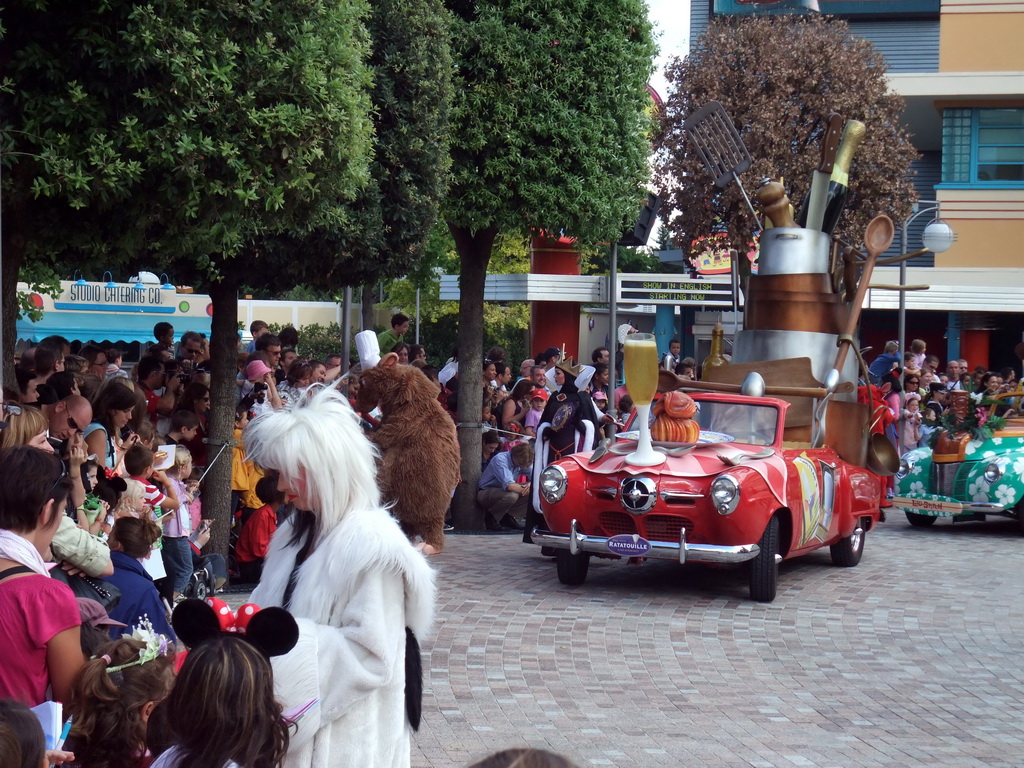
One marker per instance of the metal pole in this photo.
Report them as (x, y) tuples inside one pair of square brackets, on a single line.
[(902, 333), (417, 315), (346, 328), (613, 321)]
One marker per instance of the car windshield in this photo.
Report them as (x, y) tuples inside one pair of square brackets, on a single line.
[(740, 422)]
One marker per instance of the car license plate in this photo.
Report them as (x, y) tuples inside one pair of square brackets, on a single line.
[(629, 545), (934, 506)]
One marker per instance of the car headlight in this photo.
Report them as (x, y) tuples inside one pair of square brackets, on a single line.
[(553, 483), (905, 467), (725, 494), (993, 472)]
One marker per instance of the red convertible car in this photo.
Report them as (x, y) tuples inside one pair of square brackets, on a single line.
[(740, 495)]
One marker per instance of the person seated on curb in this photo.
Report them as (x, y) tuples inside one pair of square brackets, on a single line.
[(504, 488)]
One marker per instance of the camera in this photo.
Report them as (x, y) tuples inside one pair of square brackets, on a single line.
[(259, 386)]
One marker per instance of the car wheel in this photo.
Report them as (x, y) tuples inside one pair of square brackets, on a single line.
[(764, 570), (846, 552), (572, 569), (920, 521)]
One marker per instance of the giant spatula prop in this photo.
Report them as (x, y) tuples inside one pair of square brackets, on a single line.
[(721, 149)]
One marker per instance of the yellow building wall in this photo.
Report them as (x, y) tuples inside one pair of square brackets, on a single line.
[(981, 36), (989, 225)]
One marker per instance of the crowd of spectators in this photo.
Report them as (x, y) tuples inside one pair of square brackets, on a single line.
[(915, 389), (102, 469)]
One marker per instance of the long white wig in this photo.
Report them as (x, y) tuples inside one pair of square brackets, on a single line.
[(318, 442)]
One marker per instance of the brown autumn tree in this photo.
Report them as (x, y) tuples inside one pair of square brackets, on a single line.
[(779, 77)]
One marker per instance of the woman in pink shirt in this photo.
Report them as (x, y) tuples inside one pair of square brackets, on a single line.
[(39, 615)]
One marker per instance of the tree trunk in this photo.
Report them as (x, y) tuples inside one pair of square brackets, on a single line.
[(367, 302), (13, 255), (223, 397), (474, 254)]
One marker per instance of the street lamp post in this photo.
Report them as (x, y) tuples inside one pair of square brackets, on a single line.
[(938, 237)]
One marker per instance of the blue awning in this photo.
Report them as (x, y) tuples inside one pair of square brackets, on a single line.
[(111, 327)]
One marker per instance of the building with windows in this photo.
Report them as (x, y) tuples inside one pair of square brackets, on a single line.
[(959, 64)]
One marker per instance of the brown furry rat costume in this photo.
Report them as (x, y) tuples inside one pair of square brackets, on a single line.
[(419, 451)]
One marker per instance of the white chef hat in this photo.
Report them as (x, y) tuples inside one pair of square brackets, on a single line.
[(368, 348)]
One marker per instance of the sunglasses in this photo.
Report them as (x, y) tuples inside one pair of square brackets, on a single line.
[(63, 474), (73, 425)]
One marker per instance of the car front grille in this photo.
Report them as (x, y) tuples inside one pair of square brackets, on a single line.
[(944, 478), (667, 527), (616, 523)]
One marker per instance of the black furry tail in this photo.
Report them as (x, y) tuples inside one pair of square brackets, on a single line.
[(413, 679)]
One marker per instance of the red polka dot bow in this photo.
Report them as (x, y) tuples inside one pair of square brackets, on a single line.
[(232, 622)]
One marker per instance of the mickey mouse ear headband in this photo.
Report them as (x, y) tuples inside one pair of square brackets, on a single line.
[(272, 631)]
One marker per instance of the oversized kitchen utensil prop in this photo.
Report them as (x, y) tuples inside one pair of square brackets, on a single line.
[(720, 147), (877, 238), (819, 182), (640, 362)]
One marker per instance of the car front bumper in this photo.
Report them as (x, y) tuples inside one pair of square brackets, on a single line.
[(681, 551), (933, 505)]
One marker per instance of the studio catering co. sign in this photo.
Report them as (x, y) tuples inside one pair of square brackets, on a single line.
[(116, 297)]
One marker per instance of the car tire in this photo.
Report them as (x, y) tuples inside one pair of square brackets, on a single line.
[(764, 570), (1020, 516), (920, 521), (846, 552), (572, 569)]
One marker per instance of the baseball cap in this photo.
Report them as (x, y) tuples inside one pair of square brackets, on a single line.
[(541, 393), (92, 613), (600, 395), (257, 369)]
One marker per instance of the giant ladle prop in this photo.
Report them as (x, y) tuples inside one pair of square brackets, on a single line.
[(877, 238)]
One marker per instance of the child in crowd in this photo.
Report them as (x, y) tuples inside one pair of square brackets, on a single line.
[(93, 511), (147, 434), (184, 428), (254, 540), (131, 542), (113, 368), (177, 553), (911, 422), (96, 625), (131, 502), (486, 416), (222, 711), (538, 399), (930, 414), (524, 757), (138, 462), (22, 743), (115, 693), (244, 474), (920, 351)]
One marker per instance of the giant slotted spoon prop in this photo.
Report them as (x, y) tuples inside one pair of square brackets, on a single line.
[(721, 149)]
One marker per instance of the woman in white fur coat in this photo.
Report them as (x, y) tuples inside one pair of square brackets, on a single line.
[(348, 574)]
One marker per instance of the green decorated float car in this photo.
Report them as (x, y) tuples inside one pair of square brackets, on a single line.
[(974, 468)]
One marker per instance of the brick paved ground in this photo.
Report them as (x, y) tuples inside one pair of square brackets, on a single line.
[(915, 657)]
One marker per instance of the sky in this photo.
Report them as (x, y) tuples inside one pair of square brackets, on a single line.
[(671, 19)]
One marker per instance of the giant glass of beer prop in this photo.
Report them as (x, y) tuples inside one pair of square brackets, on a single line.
[(640, 361)]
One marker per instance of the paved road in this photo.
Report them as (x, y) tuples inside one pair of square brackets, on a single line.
[(914, 658)]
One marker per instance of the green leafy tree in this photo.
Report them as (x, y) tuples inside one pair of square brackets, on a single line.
[(387, 226), (204, 129), (549, 132), (779, 78)]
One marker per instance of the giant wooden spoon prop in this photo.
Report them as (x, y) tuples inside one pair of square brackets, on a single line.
[(877, 239)]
